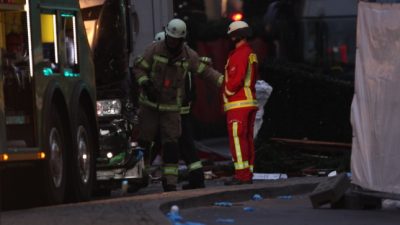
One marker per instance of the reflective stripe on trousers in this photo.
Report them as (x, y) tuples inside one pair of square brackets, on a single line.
[(239, 125), (170, 169), (195, 166)]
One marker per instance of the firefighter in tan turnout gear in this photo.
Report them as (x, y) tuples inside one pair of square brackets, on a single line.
[(161, 74)]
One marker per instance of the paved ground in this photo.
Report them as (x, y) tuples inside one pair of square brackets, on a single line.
[(148, 209), (294, 211)]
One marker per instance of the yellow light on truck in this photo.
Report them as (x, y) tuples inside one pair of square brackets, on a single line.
[(41, 155), (4, 157)]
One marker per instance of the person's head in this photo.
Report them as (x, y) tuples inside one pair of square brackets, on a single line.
[(15, 43), (175, 34), (238, 30), (160, 36)]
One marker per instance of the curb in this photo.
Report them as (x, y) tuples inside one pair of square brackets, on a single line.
[(151, 209), (292, 186)]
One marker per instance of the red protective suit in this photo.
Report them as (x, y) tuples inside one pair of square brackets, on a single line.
[(241, 107)]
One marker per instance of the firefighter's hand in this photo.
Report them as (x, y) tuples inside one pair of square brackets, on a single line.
[(150, 91)]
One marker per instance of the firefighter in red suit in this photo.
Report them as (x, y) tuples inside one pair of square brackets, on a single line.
[(240, 102)]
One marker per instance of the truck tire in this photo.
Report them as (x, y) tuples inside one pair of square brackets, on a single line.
[(83, 158), (54, 167)]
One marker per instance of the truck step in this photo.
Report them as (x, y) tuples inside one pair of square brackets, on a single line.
[(17, 119), (16, 144)]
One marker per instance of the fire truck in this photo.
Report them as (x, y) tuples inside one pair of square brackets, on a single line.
[(66, 106), (47, 100)]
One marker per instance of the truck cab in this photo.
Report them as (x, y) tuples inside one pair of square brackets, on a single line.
[(118, 31)]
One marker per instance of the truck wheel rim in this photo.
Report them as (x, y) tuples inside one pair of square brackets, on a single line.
[(56, 158), (83, 154)]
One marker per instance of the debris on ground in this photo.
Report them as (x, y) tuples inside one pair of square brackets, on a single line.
[(390, 204), (223, 204), (269, 176), (248, 209), (209, 175), (257, 197), (332, 174), (191, 223), (285, 197), (176, 219), (225, 220)]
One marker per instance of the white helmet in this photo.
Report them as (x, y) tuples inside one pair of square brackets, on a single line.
[(160, 36), (176, 28), (237, 25)]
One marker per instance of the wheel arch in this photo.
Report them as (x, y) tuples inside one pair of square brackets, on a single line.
[(54, 95), (81, 97)]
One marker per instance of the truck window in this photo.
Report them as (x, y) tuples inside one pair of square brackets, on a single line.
[(17, 75), (90, 26), (71, 67), (49, 40), (329, 41), (14, 48), (90, 15)]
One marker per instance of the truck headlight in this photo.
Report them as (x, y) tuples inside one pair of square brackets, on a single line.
[(109, 107)]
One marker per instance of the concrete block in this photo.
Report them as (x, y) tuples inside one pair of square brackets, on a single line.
[(357, 201), (330, 190)]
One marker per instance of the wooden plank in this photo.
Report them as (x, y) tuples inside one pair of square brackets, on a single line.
[(311, 142), (318, 146)]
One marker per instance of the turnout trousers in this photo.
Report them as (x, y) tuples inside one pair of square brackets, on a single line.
[(188, 153), (241, 131), (168, 124)]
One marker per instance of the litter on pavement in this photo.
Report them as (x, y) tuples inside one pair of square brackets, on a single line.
[(191, 223), (209, 175), (269, 176), (285, 197), (390, 204), (176, 219), (257, 197), (223, 204), (332, 174), (225, 220), (248, 209)]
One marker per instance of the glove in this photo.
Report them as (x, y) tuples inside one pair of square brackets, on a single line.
[(150, 91)]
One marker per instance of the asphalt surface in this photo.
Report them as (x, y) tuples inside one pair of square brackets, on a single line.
[(151, 207), (296, 210)]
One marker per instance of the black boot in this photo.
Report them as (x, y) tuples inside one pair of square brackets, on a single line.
[(170, 157), (168, 187), (196, 180)]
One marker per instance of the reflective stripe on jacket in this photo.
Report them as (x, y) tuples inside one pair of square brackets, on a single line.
[(240, 73), (168, 74)]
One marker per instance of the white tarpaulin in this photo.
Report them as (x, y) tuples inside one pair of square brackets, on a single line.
[(263, 91), (375, 111)]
